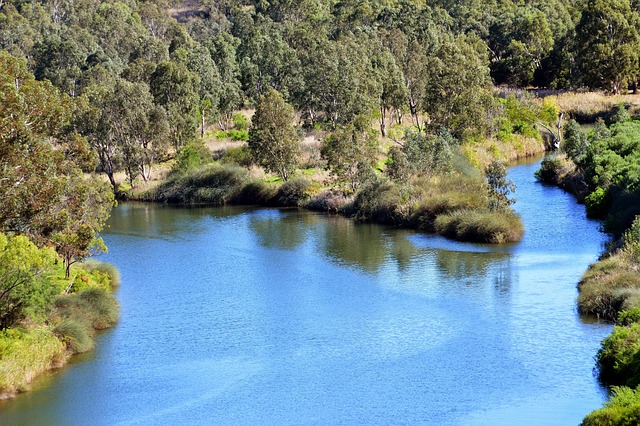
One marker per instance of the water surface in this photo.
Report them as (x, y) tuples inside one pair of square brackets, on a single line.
[(266, 316)]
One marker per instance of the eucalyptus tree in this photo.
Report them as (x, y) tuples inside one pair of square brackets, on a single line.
[(175, 88), (394, 93), (273, 140), (607, 44), (351, 154), (457, 88), (267, 61), (44, 193), (200, 62), (340, 82)]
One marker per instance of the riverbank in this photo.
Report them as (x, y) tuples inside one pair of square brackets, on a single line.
[(600, 169), (455, 204), (82, 305)]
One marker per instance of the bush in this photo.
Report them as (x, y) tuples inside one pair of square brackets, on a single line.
[(623, 409), (609, 290), (26, 353), (255, 193), (211, 185), (77, 337), (191, 156), (379, 202), (327, 201), (240, 122), (495, 227), (239, 155), (628, 317), (619, 356), (79, 315), (597, 202), (293, 192)]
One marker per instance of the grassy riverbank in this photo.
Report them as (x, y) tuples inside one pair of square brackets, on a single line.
[(455, 203), (601, 168), (78, 307)]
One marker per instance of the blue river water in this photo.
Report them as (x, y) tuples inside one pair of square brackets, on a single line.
[(266, 316)]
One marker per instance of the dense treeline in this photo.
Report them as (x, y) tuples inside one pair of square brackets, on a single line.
[(144, 85)]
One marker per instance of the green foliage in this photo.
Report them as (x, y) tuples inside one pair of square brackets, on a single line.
[(233, 134), (240, 122), (79, 315), (239, 155), (273, 141), (25, 354), (350, 152), (24, 291), (619, 357), (457, 96), (631, 242), (575, 143), (499, 186), (293, 192), (628, 317), (422, 154), (623, 409), (608, 287), (520, 118), (607, 44), (494, 227), (597, 202), (213, 185), (619, 114), (191, 156)]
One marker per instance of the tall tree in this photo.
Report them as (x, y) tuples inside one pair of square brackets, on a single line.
[(350, 152), (40, 165), (457, 93), (607, 44), (176, 88), (272, 138)]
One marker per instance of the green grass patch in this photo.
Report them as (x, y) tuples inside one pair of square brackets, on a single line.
[(24, 354), (495, 227)]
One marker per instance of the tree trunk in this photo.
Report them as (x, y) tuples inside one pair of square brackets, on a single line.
[(383, 121), (202, 123)]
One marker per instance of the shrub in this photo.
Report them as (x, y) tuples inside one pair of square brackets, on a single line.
[(255, 193), (597, 202), (240, 122), (101, 307), (212, 185), (619, 356), (239, 155), (293, 192), (77, 337), (609, 287), (238, 135), (629, 317), (378, 202), (623, 409), (550, 169), (327, 201), (25, 354), (191, 156), (494, 227)]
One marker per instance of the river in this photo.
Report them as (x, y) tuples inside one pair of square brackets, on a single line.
[(267, 316)]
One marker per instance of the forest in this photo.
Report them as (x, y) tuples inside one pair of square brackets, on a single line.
[(402, 112)]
